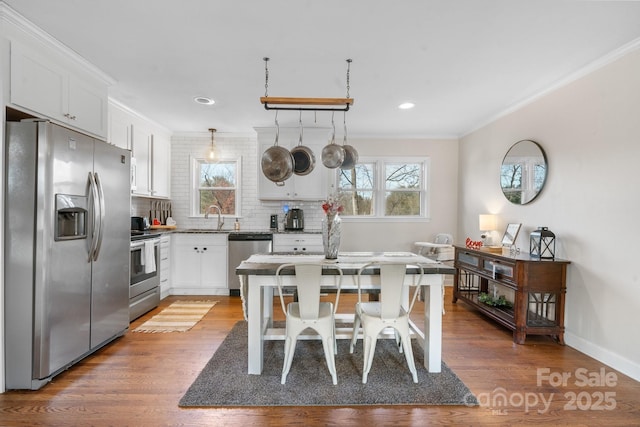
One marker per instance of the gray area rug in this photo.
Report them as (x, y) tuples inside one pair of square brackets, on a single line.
[(224, 380)]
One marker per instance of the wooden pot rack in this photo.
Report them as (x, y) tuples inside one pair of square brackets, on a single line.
[(304, 104)]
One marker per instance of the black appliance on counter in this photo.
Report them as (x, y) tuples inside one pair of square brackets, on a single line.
[(139, 223), (294, 220)]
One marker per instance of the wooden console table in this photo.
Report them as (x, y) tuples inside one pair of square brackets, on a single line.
[(522, 293)]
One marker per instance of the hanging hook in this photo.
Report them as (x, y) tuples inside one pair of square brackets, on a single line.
[(277, 129), (333, 136), (301, 130), (344, 139)]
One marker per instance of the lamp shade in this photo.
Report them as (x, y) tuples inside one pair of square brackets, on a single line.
[(488, 222)]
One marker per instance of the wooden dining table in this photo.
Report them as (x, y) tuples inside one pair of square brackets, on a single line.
[(258, 281)]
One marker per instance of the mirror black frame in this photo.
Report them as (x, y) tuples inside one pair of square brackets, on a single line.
[(525, 171)]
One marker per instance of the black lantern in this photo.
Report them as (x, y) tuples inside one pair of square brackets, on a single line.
[(542, 244)]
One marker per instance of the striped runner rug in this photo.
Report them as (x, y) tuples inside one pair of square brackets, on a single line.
[(180, 316)]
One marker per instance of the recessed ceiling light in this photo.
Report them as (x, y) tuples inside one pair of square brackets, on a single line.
[(406, 105), (204, 100)]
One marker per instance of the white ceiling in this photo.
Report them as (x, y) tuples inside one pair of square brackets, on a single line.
[(462, 62)]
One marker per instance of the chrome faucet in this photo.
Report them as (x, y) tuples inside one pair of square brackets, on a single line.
[(220, 220)]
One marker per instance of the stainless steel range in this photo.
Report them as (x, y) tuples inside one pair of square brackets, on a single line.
[(144, 285)]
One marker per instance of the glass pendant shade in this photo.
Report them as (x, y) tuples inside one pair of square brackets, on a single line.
[(211, 154)]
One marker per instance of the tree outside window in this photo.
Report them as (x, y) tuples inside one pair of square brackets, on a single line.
[(384, 188), (217, 184), (522, 178), (403, 182), (357, 189)]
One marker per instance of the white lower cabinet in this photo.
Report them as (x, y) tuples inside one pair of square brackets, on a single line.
[(199, 264), (297, 242), (165, 265)]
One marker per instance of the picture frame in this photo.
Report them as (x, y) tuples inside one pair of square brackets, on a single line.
[(510, 234)]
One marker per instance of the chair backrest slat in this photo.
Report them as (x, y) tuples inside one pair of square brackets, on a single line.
[(391, 283), (308, 280)]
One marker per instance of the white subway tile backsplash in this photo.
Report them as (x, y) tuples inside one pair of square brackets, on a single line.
[(254, 213)]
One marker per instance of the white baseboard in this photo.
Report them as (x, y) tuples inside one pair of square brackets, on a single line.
[(615, 361), (199, 291)]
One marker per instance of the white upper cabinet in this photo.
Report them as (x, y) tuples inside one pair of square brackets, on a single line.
[(150, 147), (160, 165), (46, 87), (298, 187), (120, 127), (141, 152)]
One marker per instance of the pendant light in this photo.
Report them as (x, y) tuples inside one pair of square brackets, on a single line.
[(212, 150)]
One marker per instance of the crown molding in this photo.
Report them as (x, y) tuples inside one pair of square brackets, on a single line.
[(12, 17), (588, 69)]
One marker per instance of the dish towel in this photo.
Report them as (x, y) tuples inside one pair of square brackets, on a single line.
[(149, 258)]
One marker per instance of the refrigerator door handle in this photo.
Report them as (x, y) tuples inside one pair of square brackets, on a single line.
[(102, 214), (96, 216)]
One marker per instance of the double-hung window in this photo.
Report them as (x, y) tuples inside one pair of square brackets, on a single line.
[(521, 178), (215, 183), (385, 188)]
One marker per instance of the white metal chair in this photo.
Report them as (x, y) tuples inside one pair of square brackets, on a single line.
[(309, 312), (388, 312)]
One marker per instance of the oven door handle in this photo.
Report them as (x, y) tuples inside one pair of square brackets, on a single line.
[(140, 243)]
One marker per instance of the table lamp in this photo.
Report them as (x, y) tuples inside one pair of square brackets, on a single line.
[(488, 223)]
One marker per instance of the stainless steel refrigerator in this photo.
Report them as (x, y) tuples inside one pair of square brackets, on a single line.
[(67, 221)]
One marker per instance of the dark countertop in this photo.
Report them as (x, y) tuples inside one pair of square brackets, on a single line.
[(348, 268), (209, 230), (147, 234)]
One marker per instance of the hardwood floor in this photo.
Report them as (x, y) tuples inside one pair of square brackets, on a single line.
[(139, 379)]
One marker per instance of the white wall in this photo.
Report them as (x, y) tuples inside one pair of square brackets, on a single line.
[(443, 177), (357, 236), (590, 131)]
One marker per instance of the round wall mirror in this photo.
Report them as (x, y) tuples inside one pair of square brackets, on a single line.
[(523, 172)]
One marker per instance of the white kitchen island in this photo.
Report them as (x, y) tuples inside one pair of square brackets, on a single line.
[(257, 275)]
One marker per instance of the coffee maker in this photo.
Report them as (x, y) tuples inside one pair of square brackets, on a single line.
[(294, 220)]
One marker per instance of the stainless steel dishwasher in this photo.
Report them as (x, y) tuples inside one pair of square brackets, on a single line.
[(241, 246)]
